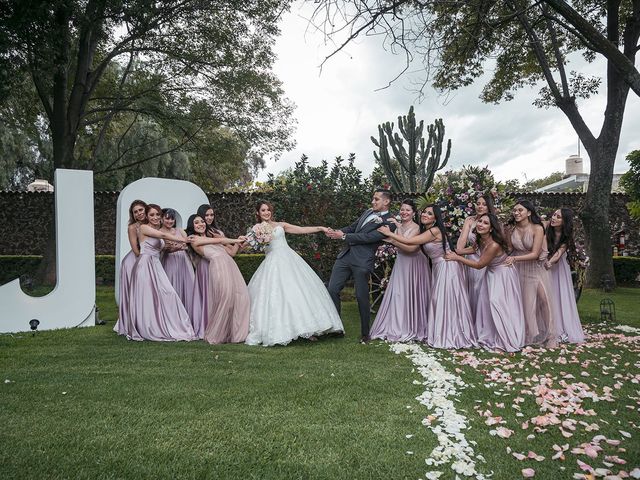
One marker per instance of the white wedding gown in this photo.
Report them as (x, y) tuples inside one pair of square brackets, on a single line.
[(288, 299)]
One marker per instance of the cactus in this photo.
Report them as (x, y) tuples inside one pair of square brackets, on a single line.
[(413, 170)]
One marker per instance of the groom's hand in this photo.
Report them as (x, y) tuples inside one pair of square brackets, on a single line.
[(334, 234)]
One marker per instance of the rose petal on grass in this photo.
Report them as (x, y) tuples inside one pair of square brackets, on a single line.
[(528, 473)]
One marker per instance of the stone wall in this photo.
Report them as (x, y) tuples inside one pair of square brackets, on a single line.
[(23, 217)]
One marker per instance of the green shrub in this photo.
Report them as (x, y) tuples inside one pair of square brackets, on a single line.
[(15, 266), (248, 264), (626, 269)]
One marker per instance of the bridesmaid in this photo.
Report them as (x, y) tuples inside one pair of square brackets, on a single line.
[(501, 312), (137, 215), (559, 242), (155, 308), (176, 263), (402, 316), (227, 293), (527, 239), (450, 324), (475, 277), (199, 303)]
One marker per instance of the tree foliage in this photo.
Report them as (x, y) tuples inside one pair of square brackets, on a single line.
[(630, 181), (518, 44), (120, 82)]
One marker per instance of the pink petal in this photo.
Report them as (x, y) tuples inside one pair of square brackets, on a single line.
[(528, 472)]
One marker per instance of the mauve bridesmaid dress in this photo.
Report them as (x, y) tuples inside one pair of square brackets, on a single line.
[(450, 322), (475, 278), (499, 317), (199, 304), (124, 326), (563, 302), (402, 316), (179, 270), (154, 306)]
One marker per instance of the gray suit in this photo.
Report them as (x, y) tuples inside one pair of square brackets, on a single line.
[(357, 260)]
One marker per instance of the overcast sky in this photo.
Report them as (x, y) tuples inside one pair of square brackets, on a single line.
[(339, 109)]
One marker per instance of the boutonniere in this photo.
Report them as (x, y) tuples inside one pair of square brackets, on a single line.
[(377, 219)]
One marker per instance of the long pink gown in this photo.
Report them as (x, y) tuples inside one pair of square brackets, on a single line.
[(154, 306), (475, 277), (450, 322), (402, 315), (227, 297), (540, 328), (563, 303)]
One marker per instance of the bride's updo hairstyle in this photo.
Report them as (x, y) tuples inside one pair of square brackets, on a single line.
[(269, 205)]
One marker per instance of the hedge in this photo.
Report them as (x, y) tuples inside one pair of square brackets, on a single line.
[(25, 266), (626, 270)]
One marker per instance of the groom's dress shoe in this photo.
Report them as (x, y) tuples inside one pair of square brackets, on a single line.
[(364, 339)]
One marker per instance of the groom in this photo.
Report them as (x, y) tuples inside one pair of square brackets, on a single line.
[(357, 258)]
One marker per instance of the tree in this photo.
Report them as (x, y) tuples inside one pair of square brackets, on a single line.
[(630, 181), (526, 43), (177, 66)]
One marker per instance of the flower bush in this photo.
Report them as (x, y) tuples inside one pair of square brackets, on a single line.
[(456, 192)]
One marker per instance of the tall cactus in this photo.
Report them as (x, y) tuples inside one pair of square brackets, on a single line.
[(415, 168)]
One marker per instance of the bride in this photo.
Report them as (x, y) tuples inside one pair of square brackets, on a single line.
[(288, 299)]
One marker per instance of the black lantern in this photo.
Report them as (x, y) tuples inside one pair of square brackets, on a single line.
[(607, 310), (34, 325), (98, 321)]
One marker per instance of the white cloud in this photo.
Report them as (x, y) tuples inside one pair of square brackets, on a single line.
[(339, 110)]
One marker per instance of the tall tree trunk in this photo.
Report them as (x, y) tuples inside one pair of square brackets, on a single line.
[(595, 215)]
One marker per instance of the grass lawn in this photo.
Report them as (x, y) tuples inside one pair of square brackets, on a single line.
[(85, 403)]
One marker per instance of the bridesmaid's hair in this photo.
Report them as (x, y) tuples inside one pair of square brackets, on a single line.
[(488, 199), (268, 204), (213, 228), (439, 224), (566, 234), (133, 204), (152, 206), (169, 213), (496, 232), (191, 230), (535, 218)]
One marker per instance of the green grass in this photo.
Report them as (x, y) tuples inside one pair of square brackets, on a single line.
[(85, 403)]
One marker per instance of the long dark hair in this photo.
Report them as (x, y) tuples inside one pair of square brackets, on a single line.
[(133, 204), (534, 218), (190, 230), (437, 213), (488, 199), (566, 233), (496, 232), (212, 229)]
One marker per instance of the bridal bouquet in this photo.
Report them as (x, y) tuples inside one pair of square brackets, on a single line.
[(259, 236)]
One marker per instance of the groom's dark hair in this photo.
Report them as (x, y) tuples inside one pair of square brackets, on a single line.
[(385, 193)]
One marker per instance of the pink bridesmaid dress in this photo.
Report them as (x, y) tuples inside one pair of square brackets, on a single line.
[(228, 301), (563, 304)]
